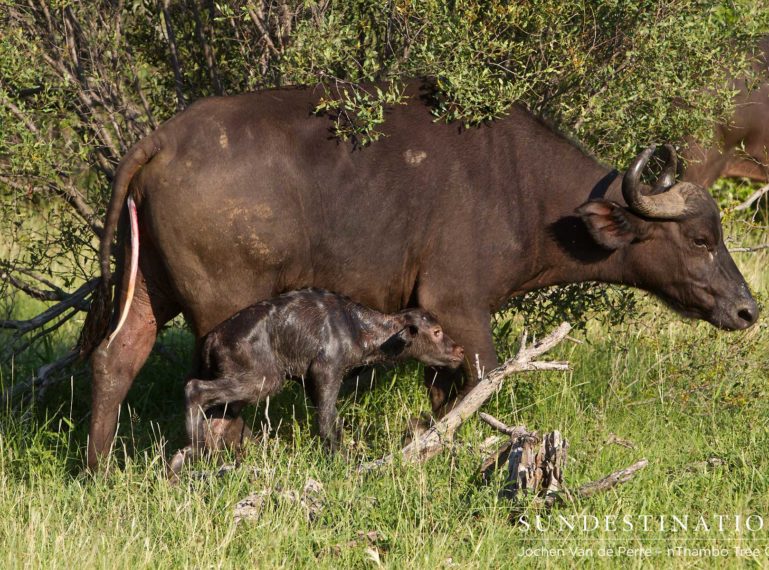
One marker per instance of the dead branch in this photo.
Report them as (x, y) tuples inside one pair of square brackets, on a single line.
[(53, 294), (434, 440), (257, 17), (28, 332), (18, 113), (40, 381), (612, 480), (499, 426), (752, 199), (500, 456), (536, 465), (496, 460), (75, 199), (749, 249), (65, 191), (48, 315)]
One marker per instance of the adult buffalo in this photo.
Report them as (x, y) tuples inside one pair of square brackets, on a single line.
[(242, 198), (741, 146)]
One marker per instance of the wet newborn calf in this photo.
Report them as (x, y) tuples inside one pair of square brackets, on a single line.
[(311, 334)]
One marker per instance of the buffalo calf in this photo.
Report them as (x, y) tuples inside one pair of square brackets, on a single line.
[(309, 334)]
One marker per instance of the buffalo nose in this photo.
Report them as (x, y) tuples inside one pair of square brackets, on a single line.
[(748, 313)]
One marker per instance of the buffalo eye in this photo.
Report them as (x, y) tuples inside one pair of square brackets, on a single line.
[(702, 242)]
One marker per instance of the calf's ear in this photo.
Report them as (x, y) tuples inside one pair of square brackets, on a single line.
[(607, 223), (409, 332), (398, 342)]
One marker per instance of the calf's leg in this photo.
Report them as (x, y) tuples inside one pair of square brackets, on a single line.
[(325, 391), (207, 433)]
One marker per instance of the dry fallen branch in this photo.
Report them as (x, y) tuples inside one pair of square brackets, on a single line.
[(612, 480), (709, 463), (434, 439), (311, 499), (614, 439), (499, 426)]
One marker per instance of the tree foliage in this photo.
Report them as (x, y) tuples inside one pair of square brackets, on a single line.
[(81, 81)]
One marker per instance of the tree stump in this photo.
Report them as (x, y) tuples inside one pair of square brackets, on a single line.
[(536, 465)]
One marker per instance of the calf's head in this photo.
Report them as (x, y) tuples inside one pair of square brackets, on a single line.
[(420, 336), (670, 242)]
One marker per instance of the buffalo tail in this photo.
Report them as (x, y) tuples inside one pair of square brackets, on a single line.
[(97, 322)]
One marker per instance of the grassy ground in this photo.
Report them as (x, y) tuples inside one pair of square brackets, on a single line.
[(680, 392)]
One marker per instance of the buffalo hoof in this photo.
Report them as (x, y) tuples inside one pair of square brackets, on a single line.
[(177, 462)]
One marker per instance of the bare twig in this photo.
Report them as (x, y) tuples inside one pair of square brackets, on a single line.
[(499, 426), (257, 18), (753, 198), (75, 199), (178, 79), (48, 315), (41, 381), (616, 478), (434, 440), (749, 249), (66, 191), (53, 294), (18, 113)]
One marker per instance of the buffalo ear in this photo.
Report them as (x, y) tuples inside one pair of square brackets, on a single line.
[(398, 342), (607, 223)]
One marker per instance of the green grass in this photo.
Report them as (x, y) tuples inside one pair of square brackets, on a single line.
[(681, 392)]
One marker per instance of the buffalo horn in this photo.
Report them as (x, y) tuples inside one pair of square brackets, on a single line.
[(670, 203)]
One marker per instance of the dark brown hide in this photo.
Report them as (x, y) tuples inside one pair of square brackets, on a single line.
[(741, 148), (245, 197)]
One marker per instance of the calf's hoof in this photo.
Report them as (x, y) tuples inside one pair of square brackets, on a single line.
[(226, 433)]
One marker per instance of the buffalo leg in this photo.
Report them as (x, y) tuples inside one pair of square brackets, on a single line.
[(115, 367), (326, 384)]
